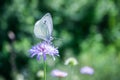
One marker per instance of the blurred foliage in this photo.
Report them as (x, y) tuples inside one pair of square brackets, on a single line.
[(89, 30)]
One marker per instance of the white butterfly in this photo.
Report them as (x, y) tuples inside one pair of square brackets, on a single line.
[(43, 28)]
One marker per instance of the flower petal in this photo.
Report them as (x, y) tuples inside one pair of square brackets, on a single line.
[(44, 56)]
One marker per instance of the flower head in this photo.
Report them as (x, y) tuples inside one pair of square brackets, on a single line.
[(71, 61), (59, 73), (40, 74), (87, 70), (19, 77), (42, 49)]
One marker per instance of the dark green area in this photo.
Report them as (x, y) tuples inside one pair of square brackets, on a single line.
[(88, 30)]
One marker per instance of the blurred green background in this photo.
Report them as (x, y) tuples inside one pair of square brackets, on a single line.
[(88, 30)]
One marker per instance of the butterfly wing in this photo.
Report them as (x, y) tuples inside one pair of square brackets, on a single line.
[(43, 27)]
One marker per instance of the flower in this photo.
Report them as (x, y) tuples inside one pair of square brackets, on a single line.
[(40, 74), (11, 35), (19, 77), (59, 73), (87, 70), (42, 49), (71, 61)]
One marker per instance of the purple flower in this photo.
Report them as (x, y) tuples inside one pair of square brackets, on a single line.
[(42, 49), (59, 73), (87, 70)]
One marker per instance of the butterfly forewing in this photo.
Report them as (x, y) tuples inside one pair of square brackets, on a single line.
[(47, 19), (43, 27)]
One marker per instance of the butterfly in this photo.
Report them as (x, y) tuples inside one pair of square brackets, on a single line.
[(43, 28)]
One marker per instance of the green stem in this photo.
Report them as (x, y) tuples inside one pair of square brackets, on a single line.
[(59, 78), (44, 70), (71, 72)]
